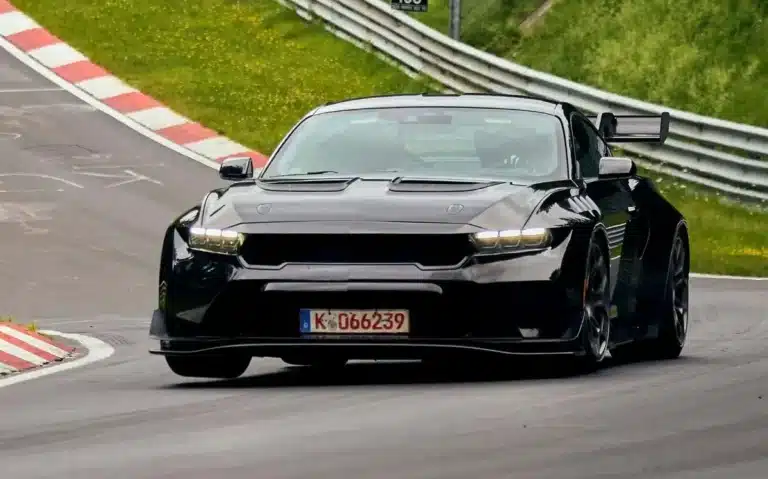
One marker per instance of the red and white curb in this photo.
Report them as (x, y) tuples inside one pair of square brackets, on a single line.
[(74, 68), (96, 349), (21, 349)]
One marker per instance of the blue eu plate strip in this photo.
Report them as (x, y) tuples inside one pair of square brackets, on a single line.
[(305, 325)]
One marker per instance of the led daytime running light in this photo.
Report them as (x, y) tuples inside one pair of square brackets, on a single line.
[(215, 240), (512, 239)]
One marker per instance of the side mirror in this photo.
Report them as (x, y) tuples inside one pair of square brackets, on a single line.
[(616, 167), (236, 168)]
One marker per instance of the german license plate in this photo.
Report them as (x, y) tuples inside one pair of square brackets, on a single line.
[(343, 321)]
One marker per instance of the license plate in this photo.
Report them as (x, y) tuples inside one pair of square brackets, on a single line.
[(342, 321)]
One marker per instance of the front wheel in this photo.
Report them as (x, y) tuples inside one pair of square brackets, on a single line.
[(596, 322), (216, 367)]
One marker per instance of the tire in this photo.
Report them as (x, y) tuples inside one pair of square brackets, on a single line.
[(672, 311), (596, 322), (216, 367)]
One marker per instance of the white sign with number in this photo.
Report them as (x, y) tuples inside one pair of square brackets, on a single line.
[(410, 5)]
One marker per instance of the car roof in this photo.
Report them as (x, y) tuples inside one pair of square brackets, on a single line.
[(465, 100)]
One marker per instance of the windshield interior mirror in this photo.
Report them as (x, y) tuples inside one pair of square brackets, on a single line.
[(236, 168), (616, 167)]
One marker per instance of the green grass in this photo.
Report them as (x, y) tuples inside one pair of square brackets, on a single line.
[(249, 70), (704, 56), (726, 237)]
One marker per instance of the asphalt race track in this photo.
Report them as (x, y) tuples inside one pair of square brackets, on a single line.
[(83, 204)]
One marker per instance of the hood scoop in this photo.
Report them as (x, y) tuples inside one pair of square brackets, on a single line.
[(305, 184), (438, 185)]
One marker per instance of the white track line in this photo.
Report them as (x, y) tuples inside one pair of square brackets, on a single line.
[(29, 90), (720, 276), (97, 351)]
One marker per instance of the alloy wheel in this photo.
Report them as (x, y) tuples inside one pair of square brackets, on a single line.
[(679, 287), (596, 317)]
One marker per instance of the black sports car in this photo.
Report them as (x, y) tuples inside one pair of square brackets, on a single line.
[(422, 226)]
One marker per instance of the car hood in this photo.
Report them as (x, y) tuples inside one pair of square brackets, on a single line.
[(483, 204)]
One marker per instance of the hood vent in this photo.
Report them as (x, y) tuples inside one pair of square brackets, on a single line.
[(448, 185), (305, 184)]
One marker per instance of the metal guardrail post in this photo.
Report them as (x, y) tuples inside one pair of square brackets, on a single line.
[(455, 14)]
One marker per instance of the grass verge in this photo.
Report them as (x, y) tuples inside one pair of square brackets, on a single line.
[(727, 237), (704, 56), (250, 70)]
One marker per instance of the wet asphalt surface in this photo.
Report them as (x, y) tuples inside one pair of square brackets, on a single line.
[(83, 205)]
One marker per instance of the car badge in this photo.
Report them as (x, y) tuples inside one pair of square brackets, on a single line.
[(263, 209)]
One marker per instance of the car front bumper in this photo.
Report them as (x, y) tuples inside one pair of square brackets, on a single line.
[(522, 305)]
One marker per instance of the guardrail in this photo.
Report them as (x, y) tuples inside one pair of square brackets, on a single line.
[(724, 155)]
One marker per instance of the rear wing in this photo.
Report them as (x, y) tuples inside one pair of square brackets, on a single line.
[(632, 128)]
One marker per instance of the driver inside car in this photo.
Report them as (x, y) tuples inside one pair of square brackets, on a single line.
[(494, 150)]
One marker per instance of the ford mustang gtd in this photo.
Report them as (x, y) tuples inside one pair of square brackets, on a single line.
[(426, 226)]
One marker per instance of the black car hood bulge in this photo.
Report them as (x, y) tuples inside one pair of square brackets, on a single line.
[(485, 205)]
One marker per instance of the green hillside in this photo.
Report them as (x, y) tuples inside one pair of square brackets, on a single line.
[(704, 56)]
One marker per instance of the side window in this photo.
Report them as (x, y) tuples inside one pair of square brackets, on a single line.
[(603, 148), (587, 147)]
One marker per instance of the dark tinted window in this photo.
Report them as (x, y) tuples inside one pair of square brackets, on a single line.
[(459, 142), (586, 147), (603, 147)]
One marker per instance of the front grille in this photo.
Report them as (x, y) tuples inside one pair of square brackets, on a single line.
[(427, 250)]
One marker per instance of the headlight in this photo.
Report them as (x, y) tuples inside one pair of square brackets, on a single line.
[(215, 241), (500, 241)]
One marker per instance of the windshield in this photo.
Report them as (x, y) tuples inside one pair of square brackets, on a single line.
[(513, 145)]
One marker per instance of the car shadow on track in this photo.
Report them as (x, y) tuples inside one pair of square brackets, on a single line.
[(417, 373)]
